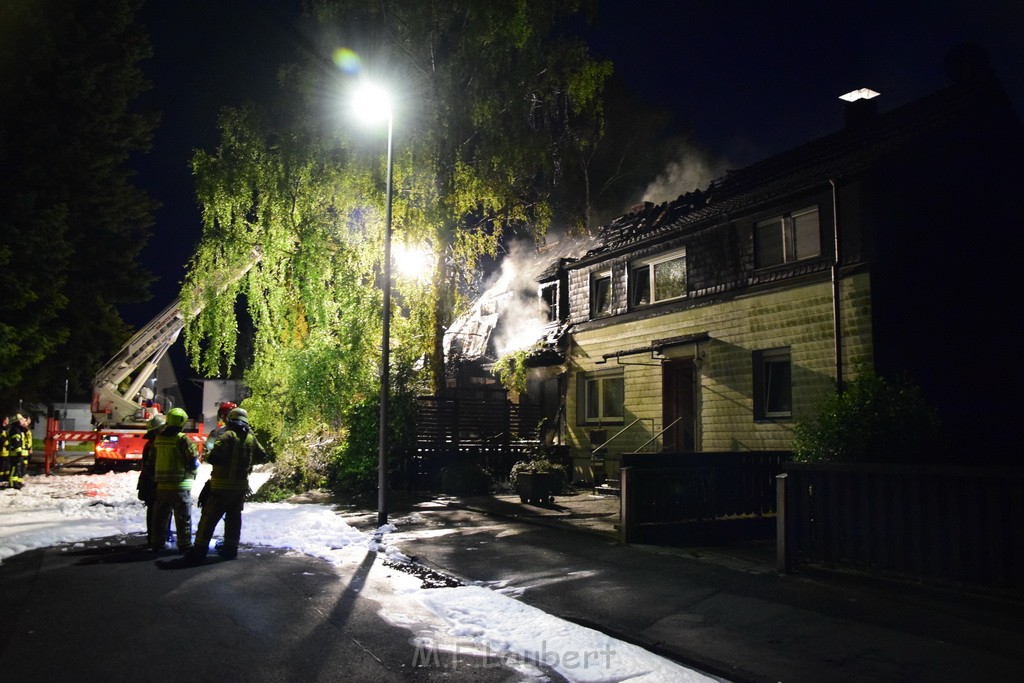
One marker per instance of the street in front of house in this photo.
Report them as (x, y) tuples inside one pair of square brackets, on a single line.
[(485, 597), (314, 599), (722, 609)]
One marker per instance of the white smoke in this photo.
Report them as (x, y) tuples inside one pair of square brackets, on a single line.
[(693, 169), (510, 306)]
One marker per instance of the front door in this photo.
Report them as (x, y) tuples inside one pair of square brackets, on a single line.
[(679, 402)]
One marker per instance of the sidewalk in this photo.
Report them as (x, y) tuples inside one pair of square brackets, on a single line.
[(599, 514), (725, 610)]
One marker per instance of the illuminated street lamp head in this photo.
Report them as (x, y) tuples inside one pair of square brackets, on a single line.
[(372, 103)]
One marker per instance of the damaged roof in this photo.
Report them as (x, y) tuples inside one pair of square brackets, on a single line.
[(842, 154), (510, 307)]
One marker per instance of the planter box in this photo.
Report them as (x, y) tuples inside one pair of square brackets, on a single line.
[(537, 488)]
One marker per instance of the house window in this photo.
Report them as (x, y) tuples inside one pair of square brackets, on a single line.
[(787, 238), (600, 294), (600, 397), (658, 279), (549, 302), (773, 384)]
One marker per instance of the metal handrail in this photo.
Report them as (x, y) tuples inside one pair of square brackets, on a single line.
[(658, 434), (617, 435)]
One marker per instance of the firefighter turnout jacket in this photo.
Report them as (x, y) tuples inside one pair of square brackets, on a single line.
[(176, 460), (232, 458), (19, 448)]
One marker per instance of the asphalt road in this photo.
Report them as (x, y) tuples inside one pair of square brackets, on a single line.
[(107, 613), (725, 615)]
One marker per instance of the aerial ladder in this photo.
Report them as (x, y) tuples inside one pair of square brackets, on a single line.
[(122, 404)]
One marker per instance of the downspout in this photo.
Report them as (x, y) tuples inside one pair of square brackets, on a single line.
[(836, 308)]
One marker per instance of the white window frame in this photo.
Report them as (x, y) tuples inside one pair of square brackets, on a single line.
[(600, 413), (596, 277), (791, 247), (764, 361), (549, 312), (650, 264)]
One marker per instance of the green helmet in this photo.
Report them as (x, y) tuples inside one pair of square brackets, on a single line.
[(177, 417), (156, 421), (239, 416)]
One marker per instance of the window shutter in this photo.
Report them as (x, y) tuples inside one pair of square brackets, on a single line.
[(758, 377), (581, 398), (807, 234)]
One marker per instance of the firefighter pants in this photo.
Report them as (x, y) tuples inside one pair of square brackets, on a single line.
[(18, 468), (154, 537), (178, 503), (5, 467), (226, 504)]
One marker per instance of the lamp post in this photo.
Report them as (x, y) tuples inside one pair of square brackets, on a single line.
[(374, 104)]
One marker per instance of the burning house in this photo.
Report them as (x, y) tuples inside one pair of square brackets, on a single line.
[(714, 322), (524, 309)]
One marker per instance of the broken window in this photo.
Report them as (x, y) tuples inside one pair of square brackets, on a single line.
[(658, 279), (787, 238), (549, 302), (773, 384)]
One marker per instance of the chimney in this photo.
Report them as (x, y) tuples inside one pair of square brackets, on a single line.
[(859, 107)]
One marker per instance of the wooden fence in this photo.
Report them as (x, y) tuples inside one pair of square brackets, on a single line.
[(961, 524), (454, 422), (419, 468), (705, 496)]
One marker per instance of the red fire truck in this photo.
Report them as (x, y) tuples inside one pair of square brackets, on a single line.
[(122, 404)]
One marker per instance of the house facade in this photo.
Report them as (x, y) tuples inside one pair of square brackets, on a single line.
[(717, 321)]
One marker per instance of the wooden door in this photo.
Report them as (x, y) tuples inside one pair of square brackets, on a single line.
[(679, 401)]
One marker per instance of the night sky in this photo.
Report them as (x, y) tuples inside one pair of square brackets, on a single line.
[(747, 79)]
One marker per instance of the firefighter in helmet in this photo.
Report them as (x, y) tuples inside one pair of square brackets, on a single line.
[(232, 459), (222, 415), (19, 447), (175, 463), (5, 461), (147, 480)]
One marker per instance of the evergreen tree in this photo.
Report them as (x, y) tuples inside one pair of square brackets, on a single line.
[(71, 223)]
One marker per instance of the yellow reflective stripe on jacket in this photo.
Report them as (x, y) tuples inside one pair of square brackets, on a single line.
[(232, 475), (172, 470)]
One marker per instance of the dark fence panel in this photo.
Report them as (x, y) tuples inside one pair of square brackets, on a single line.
[(706, 496), (419, 468), (454, 422), (950, 523)]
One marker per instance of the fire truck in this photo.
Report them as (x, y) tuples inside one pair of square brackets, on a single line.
[(122, 404)]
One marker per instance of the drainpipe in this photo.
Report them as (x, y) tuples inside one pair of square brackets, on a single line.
[(836, 308)]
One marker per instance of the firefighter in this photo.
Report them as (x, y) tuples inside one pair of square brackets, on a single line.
[(19, 447), (147, 482), (175, 463), (5, 461), (222, 414), (232, 458)]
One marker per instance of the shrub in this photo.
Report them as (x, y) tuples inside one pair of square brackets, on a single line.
[(353, 465), (540, 465), (302, 466), (466, 479), (873, 420)]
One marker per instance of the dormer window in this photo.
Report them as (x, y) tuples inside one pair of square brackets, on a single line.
[(549, 302), (657, 279), (600, 294), (790, 237)]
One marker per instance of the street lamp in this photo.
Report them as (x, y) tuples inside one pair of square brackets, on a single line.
[(372, 105)]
